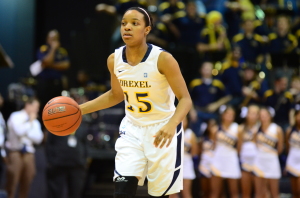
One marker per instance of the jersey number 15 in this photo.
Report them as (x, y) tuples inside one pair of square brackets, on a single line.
[(142, 109)]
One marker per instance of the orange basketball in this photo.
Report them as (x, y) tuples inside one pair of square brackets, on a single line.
[(61, 116)]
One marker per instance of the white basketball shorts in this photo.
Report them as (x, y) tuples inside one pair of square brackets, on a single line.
[(137, 156)]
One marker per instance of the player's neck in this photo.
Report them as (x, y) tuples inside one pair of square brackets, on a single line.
[(135, 54)]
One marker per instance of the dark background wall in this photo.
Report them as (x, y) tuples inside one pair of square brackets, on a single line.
[(17, 23), (84, 33)]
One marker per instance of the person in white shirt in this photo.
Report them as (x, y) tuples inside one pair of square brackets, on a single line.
[(24, 130)]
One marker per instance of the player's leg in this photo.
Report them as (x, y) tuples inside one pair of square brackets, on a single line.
[(246, 184), (130, 161), (27, 174), (165, 173), (260, 185), (233, 188), (216, 185), (205, 187), (13, 173), (274, 187)]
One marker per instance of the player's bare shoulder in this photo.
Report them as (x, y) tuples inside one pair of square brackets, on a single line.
[(110, 62), (165, 62)]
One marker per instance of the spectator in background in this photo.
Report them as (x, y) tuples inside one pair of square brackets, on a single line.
[(254, 85), (295, 89), (214, 43), (24, 130), (174, 8), (266, 166), (293, 159), (66, 163), (248, 151), (118, 10), (231, 76), (206, 154), (283, 44), (188, 30), (160, 34), (55, 60), (208, 95), (252, 45), (281, 101), (237, 10)]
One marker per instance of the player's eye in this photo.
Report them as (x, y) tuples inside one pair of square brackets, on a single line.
[(123, 23), (135, 23)]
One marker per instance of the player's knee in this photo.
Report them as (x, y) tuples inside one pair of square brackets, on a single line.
[(125, 186)]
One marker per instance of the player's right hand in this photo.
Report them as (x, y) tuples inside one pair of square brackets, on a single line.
[(165, 134)]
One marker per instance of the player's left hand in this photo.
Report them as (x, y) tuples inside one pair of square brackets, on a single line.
[(165, 134)]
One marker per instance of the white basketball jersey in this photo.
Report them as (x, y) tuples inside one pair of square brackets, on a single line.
[(148, 96)]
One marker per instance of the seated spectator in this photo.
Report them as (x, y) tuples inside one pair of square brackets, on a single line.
[(208, 95), (295, 89), (281, 101), (252, 45), (282, 45), (231, 76), (214, 43), (24, 130)]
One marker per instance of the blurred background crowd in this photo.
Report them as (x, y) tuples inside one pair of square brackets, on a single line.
[(231, 52)]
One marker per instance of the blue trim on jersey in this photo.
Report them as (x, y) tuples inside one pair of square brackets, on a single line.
[(179, 126), (178, 157), (118, 173), (145, 56), (176, 174)]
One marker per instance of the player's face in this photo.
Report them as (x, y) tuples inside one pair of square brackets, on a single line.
[(133, 27)]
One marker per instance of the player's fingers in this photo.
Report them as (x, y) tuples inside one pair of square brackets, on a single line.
[(169, 142), (157, 140), (163, 143)]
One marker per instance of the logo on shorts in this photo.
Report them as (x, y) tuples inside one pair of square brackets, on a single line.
[(56, 110), (120, 179), (122, 133), (145, 75)]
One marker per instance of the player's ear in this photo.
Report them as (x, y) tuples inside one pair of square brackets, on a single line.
[(148, 29)]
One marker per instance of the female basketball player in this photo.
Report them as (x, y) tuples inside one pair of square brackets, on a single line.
[(150, 140), (206, 157), (190, 150), (248, 150), (225, 163), (266, 167), (293, 159)]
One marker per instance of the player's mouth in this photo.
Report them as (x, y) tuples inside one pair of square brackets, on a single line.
[(127, 35)]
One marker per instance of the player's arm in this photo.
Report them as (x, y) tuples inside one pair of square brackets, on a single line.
[(169, 67), (280, 144), (110, 98)]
